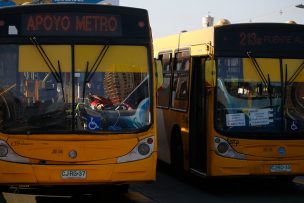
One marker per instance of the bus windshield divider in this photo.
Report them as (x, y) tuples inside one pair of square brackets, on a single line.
[(85, 81)]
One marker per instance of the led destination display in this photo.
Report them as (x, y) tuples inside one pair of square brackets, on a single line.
[(71, 24)]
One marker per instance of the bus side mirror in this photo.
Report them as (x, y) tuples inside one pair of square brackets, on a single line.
[(210, 73), (159, 73)]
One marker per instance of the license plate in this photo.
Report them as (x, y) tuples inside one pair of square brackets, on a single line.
[(78, 174), (280, 168)]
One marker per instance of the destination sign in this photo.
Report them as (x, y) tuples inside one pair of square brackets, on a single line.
[(60, 24), (255, 39), (260, 40)]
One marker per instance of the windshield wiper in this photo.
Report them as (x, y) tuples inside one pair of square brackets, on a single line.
[(266, 82), (56, 74), (292, 78), (257, 68), (90, 73), (296, 73)]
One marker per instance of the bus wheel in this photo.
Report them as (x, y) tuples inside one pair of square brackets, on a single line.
[(177, 155)]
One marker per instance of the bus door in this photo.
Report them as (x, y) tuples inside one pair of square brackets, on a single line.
[(198, 144)]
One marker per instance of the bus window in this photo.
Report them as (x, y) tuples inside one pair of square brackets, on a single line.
[(294, 91), (163, 94), (245, 93), (180, 89)]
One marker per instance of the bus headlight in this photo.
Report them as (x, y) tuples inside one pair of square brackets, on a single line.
[(3, 150), (8, 154), (223, 148), (141, 151)]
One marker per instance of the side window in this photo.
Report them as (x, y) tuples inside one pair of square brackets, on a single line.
[(163, 94), (180, 89)]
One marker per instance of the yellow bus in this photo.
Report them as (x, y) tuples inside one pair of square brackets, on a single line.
[(76, 96), (231, 103)]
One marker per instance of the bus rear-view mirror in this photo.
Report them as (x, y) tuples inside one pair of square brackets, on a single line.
[(210, 73), (159, 73)]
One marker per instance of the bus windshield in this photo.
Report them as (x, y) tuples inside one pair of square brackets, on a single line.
[(258, 95), (73, 88)]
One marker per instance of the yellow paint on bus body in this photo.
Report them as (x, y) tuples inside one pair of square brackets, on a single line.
[(116, 59)]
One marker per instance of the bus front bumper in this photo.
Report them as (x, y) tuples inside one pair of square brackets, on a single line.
[(222, 166), (27, 174)]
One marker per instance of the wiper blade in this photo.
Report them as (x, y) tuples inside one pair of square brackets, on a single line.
[(267, 82), (296, 73), (56, 74), (97, 62), (46, 59), (258, 68), (90, 73), (61, 81), (287, 81), (7, 89)]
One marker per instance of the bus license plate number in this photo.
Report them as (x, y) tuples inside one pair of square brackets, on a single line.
[(80, 174), (280, 168)]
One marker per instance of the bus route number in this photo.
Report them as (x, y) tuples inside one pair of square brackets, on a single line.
[(249, 39)]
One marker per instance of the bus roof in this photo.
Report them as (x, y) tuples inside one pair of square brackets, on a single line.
[(269, 40)]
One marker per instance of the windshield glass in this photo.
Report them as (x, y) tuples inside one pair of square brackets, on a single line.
[(258, 95), (68, 88)]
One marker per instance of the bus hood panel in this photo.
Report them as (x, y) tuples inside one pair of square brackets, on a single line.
[(72, 151), (271, 150)]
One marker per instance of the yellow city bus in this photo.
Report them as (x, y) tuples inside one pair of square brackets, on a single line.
[(76, 96), (231, 103)]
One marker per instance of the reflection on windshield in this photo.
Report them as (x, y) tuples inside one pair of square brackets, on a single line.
[(247, 103), (33, 100)]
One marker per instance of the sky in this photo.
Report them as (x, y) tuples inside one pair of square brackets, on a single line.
[(172, 16)]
